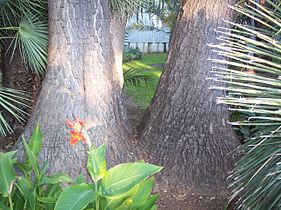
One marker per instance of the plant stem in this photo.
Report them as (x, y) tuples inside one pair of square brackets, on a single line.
[(97, 198), (11, 203)]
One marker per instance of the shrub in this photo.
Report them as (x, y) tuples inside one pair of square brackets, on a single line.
[(130, 54), (125, 186)]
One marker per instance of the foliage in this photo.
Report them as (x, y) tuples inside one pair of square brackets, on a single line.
[(31, 188), (24, 25), (125, 8), (10, 100), (165, 11), (125, 186), (135, 77), (253, 56), (151, 65), (131, 53)]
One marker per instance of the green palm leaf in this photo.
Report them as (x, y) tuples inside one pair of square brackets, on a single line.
[(10, 101), (125, 8), (135, 77), (253, 56), (32, 39)]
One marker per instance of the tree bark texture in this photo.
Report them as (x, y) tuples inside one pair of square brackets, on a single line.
[(186, 131), (80, 81), (118, 29)]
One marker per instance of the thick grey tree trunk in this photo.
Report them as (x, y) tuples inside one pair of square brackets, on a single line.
[(185, 130), (117, 28), (80, 81)]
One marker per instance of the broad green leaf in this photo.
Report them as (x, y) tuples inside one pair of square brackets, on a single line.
[(49, 200), (124, 177), (76, 197), (96, 163), (27, 192), (3, 206), (18, 200), (31, 159), (113, 204), (150, 203), (24, 167), (121, 201), (35, 142), (7, 173), (80, 179), (53, 190), (143, 193), (59, 178)]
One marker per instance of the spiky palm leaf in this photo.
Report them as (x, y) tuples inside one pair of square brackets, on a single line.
[(32, 40), (24, 23), (135, 77), (125, 8), (10, 100), (253, 83)]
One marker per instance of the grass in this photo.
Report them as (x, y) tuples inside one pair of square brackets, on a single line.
[(143, 94)]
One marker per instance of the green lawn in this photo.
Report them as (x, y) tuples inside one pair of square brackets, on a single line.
[(143, 94)]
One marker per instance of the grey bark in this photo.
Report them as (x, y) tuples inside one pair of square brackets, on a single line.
[(185, 130), (117, 28), (80, 81)]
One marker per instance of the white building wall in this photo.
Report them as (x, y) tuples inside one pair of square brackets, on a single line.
[(148, 41)]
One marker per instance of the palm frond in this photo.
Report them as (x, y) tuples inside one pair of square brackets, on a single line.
[(253, 83), (24, 24), (141, 26), (125, 8), (10, 101), (135, 77), (32, 40)]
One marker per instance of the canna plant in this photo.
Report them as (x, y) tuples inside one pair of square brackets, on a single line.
[(125, 186), (25, 185), (252, 78)]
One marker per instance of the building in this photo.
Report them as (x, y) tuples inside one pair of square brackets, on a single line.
[(148, 41)]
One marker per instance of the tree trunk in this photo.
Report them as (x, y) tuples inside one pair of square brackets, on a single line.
[(117, 28), (186, 131), (80, 81)]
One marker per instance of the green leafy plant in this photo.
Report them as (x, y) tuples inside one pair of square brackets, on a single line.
[(24, 25), (25, 185), (253, 57), (131, 53), (165, 11), (10, 100), (30, 188), (125, 186), (135, 77)]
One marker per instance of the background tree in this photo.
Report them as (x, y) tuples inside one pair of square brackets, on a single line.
[(184, 129)]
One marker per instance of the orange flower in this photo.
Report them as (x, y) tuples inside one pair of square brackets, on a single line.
[(76, 125), (76, 128), (75, 137)]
